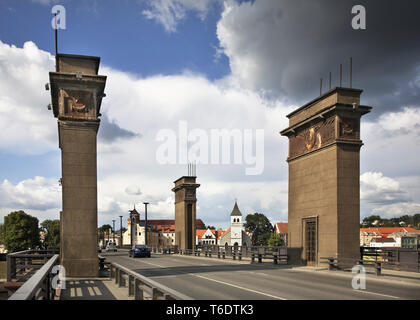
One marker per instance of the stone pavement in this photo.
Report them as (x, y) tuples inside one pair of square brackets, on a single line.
[(93, 289)]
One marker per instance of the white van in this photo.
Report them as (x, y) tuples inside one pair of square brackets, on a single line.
[(111, 247)]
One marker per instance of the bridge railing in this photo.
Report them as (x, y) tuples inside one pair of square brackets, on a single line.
[(378, 265), (38, 287), (140, 286), (19, 265), (259, 253)]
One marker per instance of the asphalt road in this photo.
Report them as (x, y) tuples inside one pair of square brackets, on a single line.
[(214, 279)]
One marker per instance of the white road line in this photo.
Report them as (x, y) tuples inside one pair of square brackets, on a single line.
[(379, 294), (222, 282), (239, 287)]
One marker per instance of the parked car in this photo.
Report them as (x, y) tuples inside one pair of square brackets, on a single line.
[(139, 250), (111, 247)]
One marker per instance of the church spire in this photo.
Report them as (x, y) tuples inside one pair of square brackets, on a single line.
[(236, 211)]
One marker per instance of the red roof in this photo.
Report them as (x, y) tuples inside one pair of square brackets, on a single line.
[(282, 227), (385, 231), (169, 223)]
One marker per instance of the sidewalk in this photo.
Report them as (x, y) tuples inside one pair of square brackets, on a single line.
[(93, 289)]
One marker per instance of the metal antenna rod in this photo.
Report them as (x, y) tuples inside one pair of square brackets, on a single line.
[(56, 34), (341, 75), (320, 88), (330, 80)]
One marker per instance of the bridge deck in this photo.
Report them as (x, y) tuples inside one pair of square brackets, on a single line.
[(211, 278), (97, 289)]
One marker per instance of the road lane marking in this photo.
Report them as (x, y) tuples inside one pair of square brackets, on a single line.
[(239, 287), (222, 282), (379, 294)]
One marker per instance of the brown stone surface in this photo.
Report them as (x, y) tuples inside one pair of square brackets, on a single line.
[(185, 196), (76, 92), (324, 175)]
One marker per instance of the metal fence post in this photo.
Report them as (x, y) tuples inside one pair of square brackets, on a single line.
[(275, 259), (130, 286), (259, 258), (378, 268), (9, 267)]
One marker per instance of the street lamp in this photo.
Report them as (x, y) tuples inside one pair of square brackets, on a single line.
[(121, 233), (113, 231), (145, 220)]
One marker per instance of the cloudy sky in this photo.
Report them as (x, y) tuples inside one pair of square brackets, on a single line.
[(211, 64)]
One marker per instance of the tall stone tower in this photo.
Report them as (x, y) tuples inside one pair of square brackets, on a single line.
[(324, 176), (236, 226), (76, 92), (185, 211)]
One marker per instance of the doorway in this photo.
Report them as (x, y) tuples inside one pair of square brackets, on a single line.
[(311, 236)]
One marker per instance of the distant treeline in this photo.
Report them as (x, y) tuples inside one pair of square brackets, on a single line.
[(406, 221)]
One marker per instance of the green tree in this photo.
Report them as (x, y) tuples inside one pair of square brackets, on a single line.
[(103, 231), (260, 227), (275, 240), (52, 233), (368, 221), (20, 231)]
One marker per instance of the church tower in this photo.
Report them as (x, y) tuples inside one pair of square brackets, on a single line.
[(236, 226)]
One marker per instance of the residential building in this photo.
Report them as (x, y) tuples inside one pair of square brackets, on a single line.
[(368, 234), (281, 229), (383, 243), (411, 241)]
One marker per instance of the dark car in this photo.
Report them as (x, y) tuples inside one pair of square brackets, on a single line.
[(139, 250)]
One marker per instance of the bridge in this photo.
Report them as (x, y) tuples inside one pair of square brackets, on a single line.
[(190, 276)]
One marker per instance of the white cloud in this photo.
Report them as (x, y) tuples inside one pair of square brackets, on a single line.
[(23, 99), (170, 12), (38, 193), (377, 189), (127, 169)]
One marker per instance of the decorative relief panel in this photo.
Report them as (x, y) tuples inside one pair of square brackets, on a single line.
[(77, 103), (190, 193), (312, 138), (349, 128)]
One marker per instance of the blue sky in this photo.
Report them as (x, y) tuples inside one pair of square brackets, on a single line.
[(214, 64), (118, 32)]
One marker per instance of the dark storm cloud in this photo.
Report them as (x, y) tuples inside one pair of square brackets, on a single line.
[(109, 131), (294, 43)]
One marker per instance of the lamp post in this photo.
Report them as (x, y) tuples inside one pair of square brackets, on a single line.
[(131, 229), (145, 221), (113, 231), (121, 233)]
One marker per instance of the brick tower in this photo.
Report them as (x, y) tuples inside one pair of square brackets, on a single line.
[(76, 92), (324, 176), (185, 211)]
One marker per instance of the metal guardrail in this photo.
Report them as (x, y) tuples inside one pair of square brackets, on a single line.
[(38, 287), (19, 262), (378, 265), (277, 254), (140, 286)]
